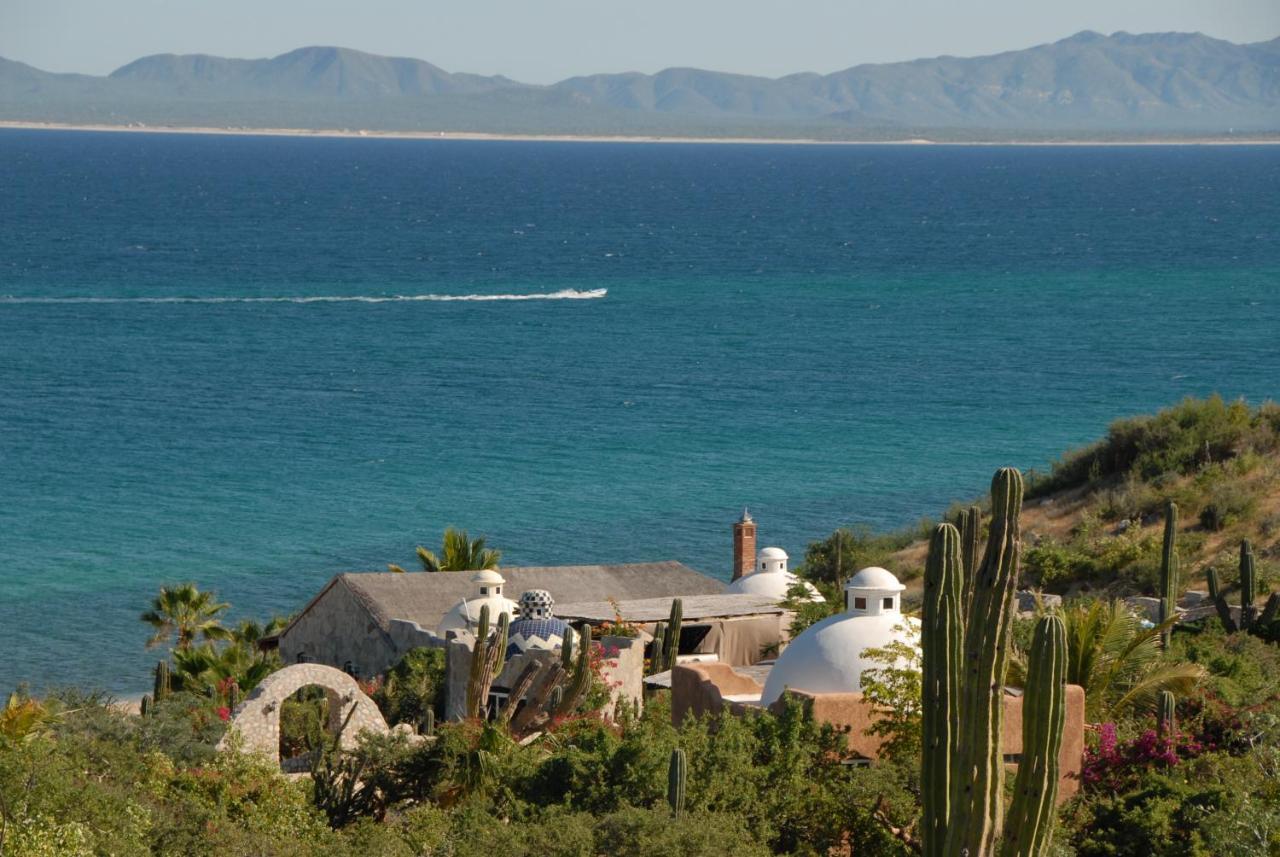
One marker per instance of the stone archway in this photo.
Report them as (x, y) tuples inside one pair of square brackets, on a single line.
[(257, 719)]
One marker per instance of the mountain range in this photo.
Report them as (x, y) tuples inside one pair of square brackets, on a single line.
[(1088, 84)]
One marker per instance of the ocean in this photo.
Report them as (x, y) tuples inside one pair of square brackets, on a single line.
[(255, 362)]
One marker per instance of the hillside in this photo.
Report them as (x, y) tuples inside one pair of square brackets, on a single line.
[(1088, 84), (1094, 524)]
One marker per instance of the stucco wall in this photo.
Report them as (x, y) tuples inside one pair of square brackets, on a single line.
[(337, 630)]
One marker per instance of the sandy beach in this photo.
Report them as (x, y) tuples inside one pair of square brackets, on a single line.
[(138, 128)]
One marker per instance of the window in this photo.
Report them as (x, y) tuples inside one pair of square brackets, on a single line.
[(302, 657), (484, 590), (888, 603), (859, 603)]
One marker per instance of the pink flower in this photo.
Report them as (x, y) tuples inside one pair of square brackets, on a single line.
[(224, 713)]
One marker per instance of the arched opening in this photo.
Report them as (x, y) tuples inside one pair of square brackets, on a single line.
[(309, 720), (311, 695)]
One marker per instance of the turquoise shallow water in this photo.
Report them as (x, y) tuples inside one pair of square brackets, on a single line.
[(829, 335)]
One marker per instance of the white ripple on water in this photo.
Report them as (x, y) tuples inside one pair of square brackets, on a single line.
[(562, 295)]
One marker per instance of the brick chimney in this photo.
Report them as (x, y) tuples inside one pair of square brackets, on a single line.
[(744, 546)]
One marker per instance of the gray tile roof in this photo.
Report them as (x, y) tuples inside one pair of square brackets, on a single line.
[(424, 597), (692, 607)]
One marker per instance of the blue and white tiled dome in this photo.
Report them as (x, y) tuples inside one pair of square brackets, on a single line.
[(536, 628)]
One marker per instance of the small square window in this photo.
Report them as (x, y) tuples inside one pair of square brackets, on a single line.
[(888, 604), (859, 603)]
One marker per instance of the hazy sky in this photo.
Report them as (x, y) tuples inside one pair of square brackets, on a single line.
[(540, 41)]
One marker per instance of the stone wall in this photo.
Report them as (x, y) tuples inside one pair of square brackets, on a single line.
[(337, 630), (256, 721)]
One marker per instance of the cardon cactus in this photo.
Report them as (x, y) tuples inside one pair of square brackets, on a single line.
[(677, 778), (1250, 619), (658, 663), (581, 678), (1035, 789), (1248, 585), (566, 648), (1220, 601), (673, 633), (1169, 567), (144, 706), (978, 812), (162, 683), (942, 641), (429, 723), (487, 658), (1166, 715), (965, 656), (970, 539)]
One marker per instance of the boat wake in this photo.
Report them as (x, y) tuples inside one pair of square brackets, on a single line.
[(562, 295)]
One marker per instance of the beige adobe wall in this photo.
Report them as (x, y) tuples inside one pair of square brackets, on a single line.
[(336, 630), (699, 690)]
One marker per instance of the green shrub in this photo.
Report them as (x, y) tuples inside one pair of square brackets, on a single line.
[(414, 686), (1181, 439)]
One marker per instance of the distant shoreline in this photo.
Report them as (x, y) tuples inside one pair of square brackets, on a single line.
[(602, 138)]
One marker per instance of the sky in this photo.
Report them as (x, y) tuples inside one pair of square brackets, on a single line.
[(542, 41)]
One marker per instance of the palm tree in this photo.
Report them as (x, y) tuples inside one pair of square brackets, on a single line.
[(1119, 662), (186, 613), (459, 553), (250, 632), (201, 669)]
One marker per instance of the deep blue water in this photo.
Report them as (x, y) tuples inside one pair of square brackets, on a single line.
[(829, 335)]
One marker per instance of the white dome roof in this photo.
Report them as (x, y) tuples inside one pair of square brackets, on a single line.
[(465, 615), (875, 578), (828, 657), (773, 553), (771, 584), (487, 577)]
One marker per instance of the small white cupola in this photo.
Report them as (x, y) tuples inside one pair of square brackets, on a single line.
[(489, 582), (772, 579), (771, 560), (873, 591), (488, 592)]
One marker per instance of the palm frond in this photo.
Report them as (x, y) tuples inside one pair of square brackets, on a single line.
[(1142, 697)]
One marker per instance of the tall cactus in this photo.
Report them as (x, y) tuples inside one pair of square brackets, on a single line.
[(566, 648), (1166, 715), (487, 659), (977, 814), (163, 683), (677, 778), (965, 657), (942, 642), (1169, 567), (1035, 789), (581, 679), (1248, 586), (1220, 601), (658, 663), (673, 633), (970, 538)]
